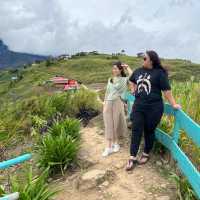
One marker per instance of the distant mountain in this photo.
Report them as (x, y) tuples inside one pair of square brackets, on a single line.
[(13, 59)]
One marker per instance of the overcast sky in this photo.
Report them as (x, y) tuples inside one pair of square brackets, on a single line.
[(171, 27)]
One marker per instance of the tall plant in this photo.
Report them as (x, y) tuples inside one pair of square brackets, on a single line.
[(57, 152), (35, 188)]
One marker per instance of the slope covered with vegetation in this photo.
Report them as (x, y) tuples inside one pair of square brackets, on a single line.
[(87, 69), (30, 93), (31, 107)]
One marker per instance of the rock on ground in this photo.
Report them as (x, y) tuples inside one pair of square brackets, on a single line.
[(163, 198), (93, 178)]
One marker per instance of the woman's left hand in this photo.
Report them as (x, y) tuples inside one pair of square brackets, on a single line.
[(176, 106), (125, 66)]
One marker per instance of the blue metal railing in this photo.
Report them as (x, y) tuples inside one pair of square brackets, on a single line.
[(14, 161), (9, 163), (192, 129)]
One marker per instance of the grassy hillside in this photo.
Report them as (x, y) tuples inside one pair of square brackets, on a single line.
[(29, 105), (30, 88), (87, 69)]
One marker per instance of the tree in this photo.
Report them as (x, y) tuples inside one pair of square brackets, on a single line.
[(48, 63), (122, 51)]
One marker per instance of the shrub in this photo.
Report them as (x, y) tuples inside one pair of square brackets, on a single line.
[(39, 125), (68, 127), (38, 122), (86, 105), (35, 188), (57, 152), (188, 96), (159, 148), (48, 63), (62, 103), (18, 117), (85, 99), (81, 54), (35, 106), (115, 56), (185, 192), (12, 71), (2, 191)]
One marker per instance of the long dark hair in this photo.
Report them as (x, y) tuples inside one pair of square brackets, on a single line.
[(119, 66), (156, 62)]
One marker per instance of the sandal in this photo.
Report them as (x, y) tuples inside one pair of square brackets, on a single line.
[(144, 157), (131, 164)]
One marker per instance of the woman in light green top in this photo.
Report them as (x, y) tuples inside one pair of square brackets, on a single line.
[(113, 112)]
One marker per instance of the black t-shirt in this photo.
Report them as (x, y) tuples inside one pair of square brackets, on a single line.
[(150, 83)]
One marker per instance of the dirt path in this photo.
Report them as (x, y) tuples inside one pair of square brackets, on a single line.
[(144, 183)]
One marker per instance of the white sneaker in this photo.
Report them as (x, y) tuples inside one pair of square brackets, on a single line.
[(115, 147), (107, 152)]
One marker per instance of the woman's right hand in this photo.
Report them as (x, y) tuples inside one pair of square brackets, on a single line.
[(129, 70), (125, 66)]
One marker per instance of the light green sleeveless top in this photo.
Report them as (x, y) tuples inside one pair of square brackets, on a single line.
[(116, 89)]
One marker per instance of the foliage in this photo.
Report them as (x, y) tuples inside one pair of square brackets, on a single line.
[(27, 103), (67, 127), (38, 122), (58, 149), (62, 103), (2, 191), (35, 188), (188, 95), (48, 63), (185, 192), (32, 114), (57, 152), (85, 99)]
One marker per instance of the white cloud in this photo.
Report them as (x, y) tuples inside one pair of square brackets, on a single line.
[(58, 26)]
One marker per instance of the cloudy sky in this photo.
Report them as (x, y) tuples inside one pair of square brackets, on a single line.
[(171, 27)]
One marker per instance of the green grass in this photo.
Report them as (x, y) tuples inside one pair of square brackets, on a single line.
[(184, 190), (188, 95), (69, 127), (29, 96), (58, 152), (87, 69), (29, 103), (29, 93), (34, 187), (29, 115)]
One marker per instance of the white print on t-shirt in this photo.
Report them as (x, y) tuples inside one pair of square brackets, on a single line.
[(143, 83)]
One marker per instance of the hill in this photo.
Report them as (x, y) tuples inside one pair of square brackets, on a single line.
[(87, 69), (13, 59), (30, 105)]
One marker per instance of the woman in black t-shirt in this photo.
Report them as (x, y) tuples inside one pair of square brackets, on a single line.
[(148, 82)]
